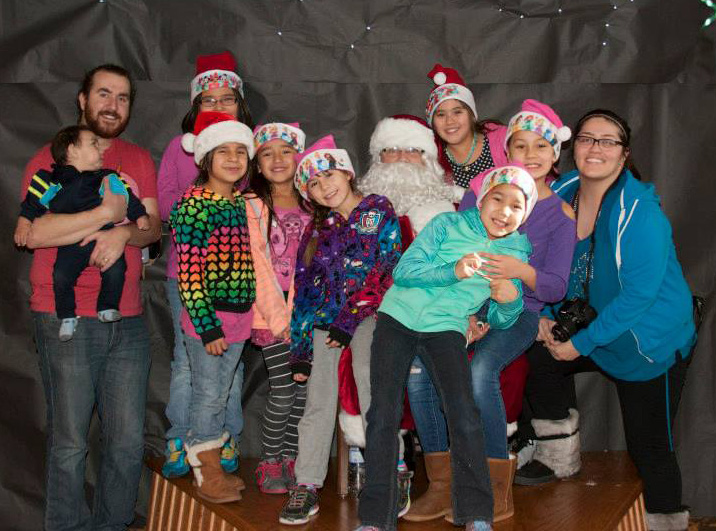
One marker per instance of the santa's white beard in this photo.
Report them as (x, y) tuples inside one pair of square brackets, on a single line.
[(405, 184)]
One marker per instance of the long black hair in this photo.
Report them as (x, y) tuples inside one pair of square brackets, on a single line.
[(262, 188), (624, 134), (243, 114)]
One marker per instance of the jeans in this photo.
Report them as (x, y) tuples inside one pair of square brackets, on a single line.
[(211, 379), (177, 410), (492, 354), (443, 353), (648, 411), (107, 365)]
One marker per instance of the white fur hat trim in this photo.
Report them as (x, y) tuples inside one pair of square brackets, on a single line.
[(402, 133), (217, 134)]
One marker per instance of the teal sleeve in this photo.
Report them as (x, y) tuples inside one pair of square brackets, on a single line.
[(419, 267), (503, 315)]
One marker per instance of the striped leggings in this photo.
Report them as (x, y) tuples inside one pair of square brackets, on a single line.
[(284, 405)]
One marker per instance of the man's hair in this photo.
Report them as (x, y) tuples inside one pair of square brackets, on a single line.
[(88, 81), (63, 139)]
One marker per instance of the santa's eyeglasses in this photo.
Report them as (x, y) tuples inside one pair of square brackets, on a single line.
[(396, 152)]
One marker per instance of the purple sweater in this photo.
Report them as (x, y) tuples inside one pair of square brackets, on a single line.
[(177, 173), (553, 236)]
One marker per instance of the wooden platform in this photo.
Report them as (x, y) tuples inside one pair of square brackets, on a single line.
[(605, 496)]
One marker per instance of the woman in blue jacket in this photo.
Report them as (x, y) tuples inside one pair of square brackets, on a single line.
[(625, 268)]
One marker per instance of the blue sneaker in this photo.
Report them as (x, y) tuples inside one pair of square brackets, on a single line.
[(176, 464), (230, 456)]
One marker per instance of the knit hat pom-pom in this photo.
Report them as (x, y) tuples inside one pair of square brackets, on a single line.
[(440, 78), (187, 142), (564, 133)]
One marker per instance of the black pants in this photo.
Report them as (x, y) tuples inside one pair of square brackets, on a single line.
[(71, 261), (648, 412), (445, 357)]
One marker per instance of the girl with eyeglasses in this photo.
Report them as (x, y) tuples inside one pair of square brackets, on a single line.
[(216, 87), (625, 268)]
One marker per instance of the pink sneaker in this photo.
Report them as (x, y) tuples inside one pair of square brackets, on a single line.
[(269, 477), (289, 471)]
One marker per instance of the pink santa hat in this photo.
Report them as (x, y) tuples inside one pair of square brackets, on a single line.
[(449, 85), (539, 118), (513, 173), (321, 156), (211, 129)]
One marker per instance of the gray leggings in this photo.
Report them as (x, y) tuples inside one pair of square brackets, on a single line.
[(315, 431)]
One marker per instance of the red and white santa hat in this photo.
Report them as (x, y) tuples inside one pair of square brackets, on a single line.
[(449, 85), (290, 133), (513, 173), (403, 131), (211, 129), (539, 118), (321, 156), (216, 71)]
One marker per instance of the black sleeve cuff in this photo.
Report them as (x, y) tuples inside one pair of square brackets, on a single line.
[(301, 367), (211, 335), (336, 334)]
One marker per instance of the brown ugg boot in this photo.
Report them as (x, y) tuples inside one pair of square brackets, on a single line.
[(212, 483), (436, 500), (502, 472)]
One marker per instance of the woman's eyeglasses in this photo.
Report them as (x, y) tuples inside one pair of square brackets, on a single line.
[(210, 102), (604, 143)]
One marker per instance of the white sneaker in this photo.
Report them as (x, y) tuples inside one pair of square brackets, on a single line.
[(109, 316), (67, 328)]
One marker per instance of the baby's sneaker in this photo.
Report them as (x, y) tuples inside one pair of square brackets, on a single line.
[(109, 316), (67, 328)]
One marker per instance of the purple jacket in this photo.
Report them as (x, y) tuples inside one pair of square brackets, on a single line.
[(347, 278)]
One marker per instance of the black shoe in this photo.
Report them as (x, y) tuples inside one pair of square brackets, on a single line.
[(534, 473)]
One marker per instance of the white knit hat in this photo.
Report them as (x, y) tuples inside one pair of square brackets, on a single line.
[(403, 131)]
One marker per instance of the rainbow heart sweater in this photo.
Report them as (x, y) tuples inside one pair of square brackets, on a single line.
[(215, 268)]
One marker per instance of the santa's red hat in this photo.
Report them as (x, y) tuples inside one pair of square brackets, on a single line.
[(403, 131), (211, 129), (449, 85), (215, 71)]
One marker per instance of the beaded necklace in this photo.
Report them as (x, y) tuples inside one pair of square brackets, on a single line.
[(469, 155)]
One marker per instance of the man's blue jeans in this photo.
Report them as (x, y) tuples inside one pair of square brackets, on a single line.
[(177, 410), (107, 365), (493, 353), (211, 378)]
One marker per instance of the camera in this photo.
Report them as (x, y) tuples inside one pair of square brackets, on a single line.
[(574, 315)]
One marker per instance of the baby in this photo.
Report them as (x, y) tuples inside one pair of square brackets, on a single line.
[(76, 184)]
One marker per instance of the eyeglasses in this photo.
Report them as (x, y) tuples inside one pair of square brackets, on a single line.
[(210, 102), (604, 143), (396, 151)]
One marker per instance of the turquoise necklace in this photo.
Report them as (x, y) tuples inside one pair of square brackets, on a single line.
[(469, 155)]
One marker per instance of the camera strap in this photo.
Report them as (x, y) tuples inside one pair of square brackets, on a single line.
[(590, 255)]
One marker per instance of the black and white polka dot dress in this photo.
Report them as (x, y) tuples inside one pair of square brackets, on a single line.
[(462, 175)]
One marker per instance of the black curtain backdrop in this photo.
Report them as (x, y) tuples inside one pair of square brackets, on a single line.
[(339, 67)]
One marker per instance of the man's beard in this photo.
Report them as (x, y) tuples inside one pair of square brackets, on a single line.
[(405, 184), (101, 130)]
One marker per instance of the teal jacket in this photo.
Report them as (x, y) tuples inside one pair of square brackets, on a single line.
[(643, 303), (426, 296)]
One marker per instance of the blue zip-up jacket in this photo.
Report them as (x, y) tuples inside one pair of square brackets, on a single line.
[(642, 299), (427, 296)]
